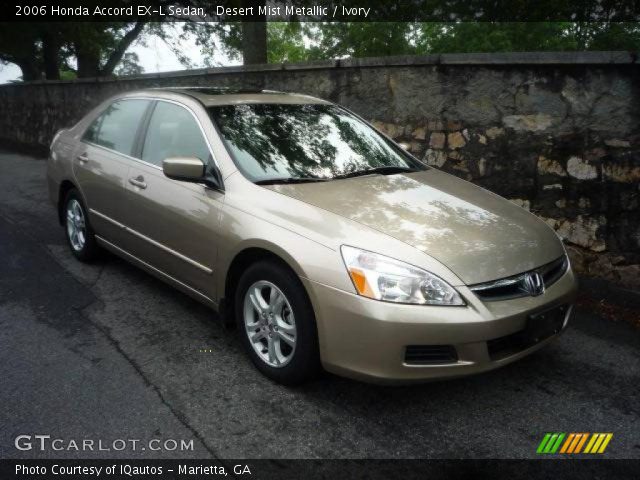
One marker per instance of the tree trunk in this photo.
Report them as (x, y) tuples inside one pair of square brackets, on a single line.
[(50, 56), (30, 70), (88, 62), (254, 42), (254, 36), (116, 56)]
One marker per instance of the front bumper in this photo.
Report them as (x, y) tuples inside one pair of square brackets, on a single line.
[(367, 339)]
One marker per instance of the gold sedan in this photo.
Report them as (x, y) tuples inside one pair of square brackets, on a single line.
[(328, 244)]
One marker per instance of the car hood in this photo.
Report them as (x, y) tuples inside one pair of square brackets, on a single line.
[(478, 235)]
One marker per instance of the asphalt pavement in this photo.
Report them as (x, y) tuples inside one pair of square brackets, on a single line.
[(107, 352)]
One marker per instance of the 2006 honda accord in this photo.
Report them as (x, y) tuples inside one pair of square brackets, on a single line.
[(327, 243)]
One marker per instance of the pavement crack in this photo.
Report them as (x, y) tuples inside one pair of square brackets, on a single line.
[(99, 276), (176, 413), (105, 331)]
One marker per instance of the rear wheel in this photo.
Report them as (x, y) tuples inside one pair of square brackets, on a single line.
[(276, 323), (79, 234)]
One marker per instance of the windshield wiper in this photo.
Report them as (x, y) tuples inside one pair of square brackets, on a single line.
[(380, 170), (287, 180)]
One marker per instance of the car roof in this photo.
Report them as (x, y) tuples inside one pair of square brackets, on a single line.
[(211, 96)]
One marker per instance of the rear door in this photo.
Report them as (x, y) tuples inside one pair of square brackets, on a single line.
[(101, 164), (173, 224)]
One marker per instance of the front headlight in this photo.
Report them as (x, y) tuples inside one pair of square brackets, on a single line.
[(383, 278)]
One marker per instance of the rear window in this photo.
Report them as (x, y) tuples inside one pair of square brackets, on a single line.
[(117, 126)]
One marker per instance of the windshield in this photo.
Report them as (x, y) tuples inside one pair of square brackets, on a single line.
[(304, 141)]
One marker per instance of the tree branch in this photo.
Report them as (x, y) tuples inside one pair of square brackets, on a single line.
[(122, 47)]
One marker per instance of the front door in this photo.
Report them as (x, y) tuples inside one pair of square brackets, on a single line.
[(173, 225)]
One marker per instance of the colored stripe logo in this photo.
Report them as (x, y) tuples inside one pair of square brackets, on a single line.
[(573, 443)]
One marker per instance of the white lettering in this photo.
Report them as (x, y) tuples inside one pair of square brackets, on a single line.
[(23, 445), (356, 11), (42, 439), (34, 470), (241, 470)]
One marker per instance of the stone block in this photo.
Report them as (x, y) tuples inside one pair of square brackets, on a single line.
[(437, 140), (580, 169), (584, 231), (435, 157), (494, 132), (623, 172), (419, 133), (546, 166), (456, 140), (529, 123), (617, 143)]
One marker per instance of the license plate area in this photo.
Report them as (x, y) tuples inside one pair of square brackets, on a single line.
[(538, 327), (545, 324)]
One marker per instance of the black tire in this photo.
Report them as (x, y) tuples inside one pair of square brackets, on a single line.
[(89, 250), (304, 363)]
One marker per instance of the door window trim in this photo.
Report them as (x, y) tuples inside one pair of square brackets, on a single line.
[(141, 133), (147, 121)]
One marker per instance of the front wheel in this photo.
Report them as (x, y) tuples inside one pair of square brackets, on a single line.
[(276, 323)]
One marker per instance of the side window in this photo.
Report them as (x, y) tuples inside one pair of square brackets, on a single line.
[(116, 128), (92, 132), (173, 132)]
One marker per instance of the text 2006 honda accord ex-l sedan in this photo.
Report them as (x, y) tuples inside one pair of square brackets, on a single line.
[(329, 245)]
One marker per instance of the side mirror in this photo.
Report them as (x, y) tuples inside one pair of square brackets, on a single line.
[(187, 169), (192, 169)]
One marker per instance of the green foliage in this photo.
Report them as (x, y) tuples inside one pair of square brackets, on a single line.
[(98, 47), (129, 65), (529, 36), (215, 37), (297, 42), (489, 37), (55, 50), (21, 43), (363, 39), (286, 42), (68, 75), (48, 49), (615, 36)]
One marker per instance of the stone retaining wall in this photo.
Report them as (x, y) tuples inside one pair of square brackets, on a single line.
[(557, 133)]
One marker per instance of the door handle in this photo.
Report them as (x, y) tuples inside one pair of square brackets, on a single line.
[(83, 158), (138, 182)]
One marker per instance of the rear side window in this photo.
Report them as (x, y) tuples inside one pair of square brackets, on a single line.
[(173, 132), (116, 128)]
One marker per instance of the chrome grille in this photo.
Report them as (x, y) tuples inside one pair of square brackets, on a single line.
[(517, 285)]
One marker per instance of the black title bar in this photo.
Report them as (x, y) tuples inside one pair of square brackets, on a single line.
[(567, 469), (323, 10)]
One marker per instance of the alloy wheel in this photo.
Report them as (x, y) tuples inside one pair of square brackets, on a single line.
[(269, 323), (76, 225)]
